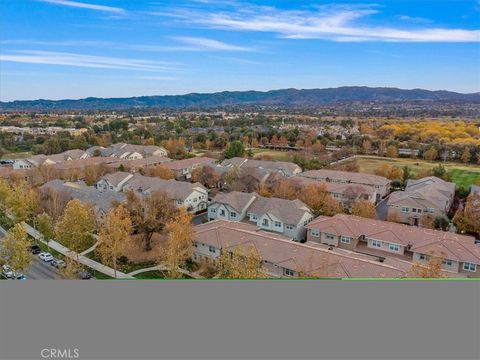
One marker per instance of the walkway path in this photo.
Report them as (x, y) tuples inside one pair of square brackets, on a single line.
[(164, 268), (82, 259)]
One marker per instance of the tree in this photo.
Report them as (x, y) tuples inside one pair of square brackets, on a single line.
[(15, 249), (45, 227), (467, 220), (440, 172), (149, 214), (366, 146), (92, 173), (364, 208), (75, 227), (206, 176), (392, 151), (427, 221), (179, 246), (235, 149), (285, 190), (432, 269), (431, 154), (320, 201), (22, 201), (466, 156), (114, 234), (238, 264), (160, 171), (407, 174), (441, 222)]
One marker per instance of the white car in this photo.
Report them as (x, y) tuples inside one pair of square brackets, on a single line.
[(7, 272), (45, 256)]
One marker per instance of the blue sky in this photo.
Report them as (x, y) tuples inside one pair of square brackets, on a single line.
[(55, 49)]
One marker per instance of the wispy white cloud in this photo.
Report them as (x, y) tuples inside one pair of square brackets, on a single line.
[(202, 43), (335, 23), (415, 19), (77, 4), (87, 61)]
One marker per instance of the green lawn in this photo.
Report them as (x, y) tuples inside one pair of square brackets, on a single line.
[(274, 154), (462, 175), (18, 155)]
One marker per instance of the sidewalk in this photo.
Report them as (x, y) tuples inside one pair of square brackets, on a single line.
[(82, 259)]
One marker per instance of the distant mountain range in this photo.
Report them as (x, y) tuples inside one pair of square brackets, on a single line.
[(282, 98)]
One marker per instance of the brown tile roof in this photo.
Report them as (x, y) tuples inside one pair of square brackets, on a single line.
[(288, 211), (285, 253), (339, 188), (186, 163), (236, 199), (422, 240), (286, 166)]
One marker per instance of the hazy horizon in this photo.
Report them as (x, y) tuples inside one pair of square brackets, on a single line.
[(62, 49)]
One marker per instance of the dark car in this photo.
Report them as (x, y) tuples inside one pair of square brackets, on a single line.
[(35, 249), (84, 275)]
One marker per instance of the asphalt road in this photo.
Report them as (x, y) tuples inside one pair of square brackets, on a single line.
[(41, 270)]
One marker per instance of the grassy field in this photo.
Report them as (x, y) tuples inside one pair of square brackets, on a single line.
[(462, 175), (273, 154), (18, 155)]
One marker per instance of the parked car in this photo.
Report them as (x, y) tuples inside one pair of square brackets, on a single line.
[(58, 263), (84, 275), (45, 256), (7, 272), (20, 276), (35, 249)]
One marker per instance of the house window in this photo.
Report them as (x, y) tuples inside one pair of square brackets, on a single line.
[(233, 214), (211, 249), (213, 211), (405, 210), (289, 227), (253, 217), (447, 262), (346, 239), (423, 257), (469, 267), (394, 247), (195, 244), (329, 237), (430, 210), (288, 272), (222, 212), (265, 222), (315, 232), (278, 224), (376, 243)]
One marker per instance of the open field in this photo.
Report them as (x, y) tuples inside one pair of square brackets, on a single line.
[(273, 154), (18, 155), (462, 175)]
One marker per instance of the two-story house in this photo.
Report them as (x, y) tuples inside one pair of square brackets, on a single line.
[(287, 217), (430, 196), (382, 238), (379, 183)]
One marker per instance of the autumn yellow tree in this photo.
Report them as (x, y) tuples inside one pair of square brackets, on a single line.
[(364, 208), (431, 154), (468, 218), (114, 234), (285, 190), (466, 156), (320, 201), (160, 171), (392, 151), (240, 264), (75, 227), (431, 269), (22, 201), (14, 250), (179, 245)]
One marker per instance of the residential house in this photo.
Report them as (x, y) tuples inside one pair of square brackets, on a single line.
[(192, 196), (101, 202), (39, 160), (379, 183), (345, 193), (287, 217), (283, 258), (128, 151), (286, 168), (113, 182), (183, 168), (382, 238), (430, 196)]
